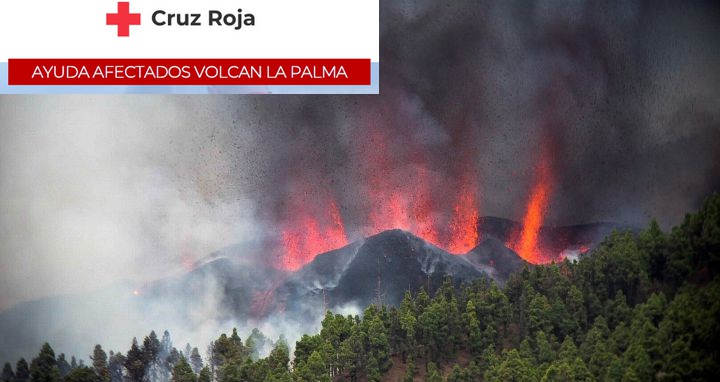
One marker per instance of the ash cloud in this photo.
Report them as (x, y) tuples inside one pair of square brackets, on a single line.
[(624, 93)]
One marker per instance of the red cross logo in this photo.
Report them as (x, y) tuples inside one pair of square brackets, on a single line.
[(123, 19)]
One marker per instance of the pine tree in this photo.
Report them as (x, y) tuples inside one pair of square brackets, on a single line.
[(434, 330), (630, 376), (279, 359), (422, 300), (173, 358), (239, 350), (637, 359), (453, 321), (135, 362), (408, 323), (373, 372), (575, 305), (433, 374), (473, 372), (580, 370), (82, 374), (305, 347), (196, 360), (568, 350), (7, 374), (165, 344), (22, 372), (115, 366), (456, 374), (619, 339), (99, 362), (205, 375), (188, 350), (182, 372), (600, 360), (255, 343), (559, 371), (617, 310), (154, 363), (353, 357), (378, 343), (615, 371), (151, 348), (63, 365), (512, 368), (472, 327), (313, 370), (488, 359), (538, 314), (409, 370), (526, 352), (235, 371), (44, 367), (543, 351), (652, 243)]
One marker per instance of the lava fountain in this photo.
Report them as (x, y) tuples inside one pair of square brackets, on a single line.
[(464, 223), (413, 198), (313, 230), (397, 181), (526, 243)]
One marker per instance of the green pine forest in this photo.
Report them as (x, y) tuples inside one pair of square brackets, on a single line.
[(643, 306)]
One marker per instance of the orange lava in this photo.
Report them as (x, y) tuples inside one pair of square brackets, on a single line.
[(424, 223), (406, 201), (464, 223), (312, 233), (526, 245)]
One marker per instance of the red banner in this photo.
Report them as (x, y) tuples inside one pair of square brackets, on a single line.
[(177, 71)]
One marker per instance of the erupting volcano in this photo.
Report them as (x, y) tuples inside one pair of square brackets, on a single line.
[(413, 200), (314, 223), (388, 177), (309, 234)]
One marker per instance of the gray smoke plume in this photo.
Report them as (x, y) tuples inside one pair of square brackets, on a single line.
[(624, 94)]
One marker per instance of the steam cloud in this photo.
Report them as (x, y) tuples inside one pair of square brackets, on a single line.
[(624, 95)]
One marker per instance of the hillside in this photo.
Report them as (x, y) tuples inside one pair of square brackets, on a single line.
[(641, 307)]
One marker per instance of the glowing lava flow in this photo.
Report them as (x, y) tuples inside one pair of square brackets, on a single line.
[(390, 208), (312, 236), (527, 244), (464, 223), (424, 222)]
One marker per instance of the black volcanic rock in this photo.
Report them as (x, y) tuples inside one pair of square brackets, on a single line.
[(392, 262), (497, 260), (382, 267), (233, 285), (325, 270)]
